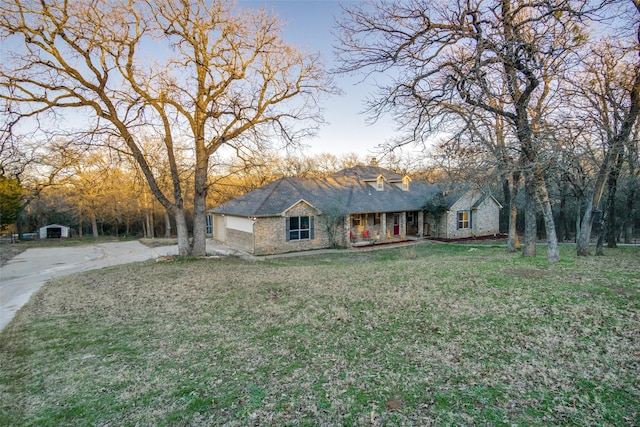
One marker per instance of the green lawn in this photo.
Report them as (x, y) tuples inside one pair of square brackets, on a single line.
[(430, 334)]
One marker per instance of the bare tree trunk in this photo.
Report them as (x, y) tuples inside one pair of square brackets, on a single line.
[(513, 241), (167, 224), (600, 244), (530, 225), (94, 226), (149, 220), (601, 234), (612, 228), (578, 217), (553, 252), (632, 160), (198, 247), (19, 227), (183, 234), (80, 224), (584, 236), (564, 218), (628, 231)]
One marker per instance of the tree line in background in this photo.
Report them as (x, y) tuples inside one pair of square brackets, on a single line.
[(539, 99), (100, 194)]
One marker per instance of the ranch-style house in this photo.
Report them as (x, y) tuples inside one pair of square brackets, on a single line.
[(356, 206)]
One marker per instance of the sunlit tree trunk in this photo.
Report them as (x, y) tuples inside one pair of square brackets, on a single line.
[(94, 226), (513, 241), (183, 234), (200, 199)]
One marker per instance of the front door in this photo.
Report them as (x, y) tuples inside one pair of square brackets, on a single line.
[(396, 224)]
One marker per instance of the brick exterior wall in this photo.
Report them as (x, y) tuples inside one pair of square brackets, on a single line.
[(271, 232)]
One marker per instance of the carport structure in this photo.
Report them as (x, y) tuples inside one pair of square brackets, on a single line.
[(54, 231)]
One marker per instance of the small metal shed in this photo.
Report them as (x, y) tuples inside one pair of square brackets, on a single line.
[(54, 231)]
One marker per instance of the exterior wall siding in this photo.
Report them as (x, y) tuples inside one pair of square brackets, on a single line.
[(219, 227), (239, 240), (484, 219), (488, 222), (271, 233)]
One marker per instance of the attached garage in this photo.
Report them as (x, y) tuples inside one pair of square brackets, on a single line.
[(54, 231)]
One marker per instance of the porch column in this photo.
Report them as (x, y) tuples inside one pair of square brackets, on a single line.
[(420, 223), (403, 225), (347, 229), (383, 226)]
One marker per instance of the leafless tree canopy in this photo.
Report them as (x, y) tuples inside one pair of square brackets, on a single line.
[(488, 75), (206, 72)]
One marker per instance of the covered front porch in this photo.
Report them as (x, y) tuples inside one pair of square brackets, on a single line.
[(384, 227)]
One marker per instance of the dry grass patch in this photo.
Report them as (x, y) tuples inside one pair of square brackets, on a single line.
[(447, 336), (9, 250)]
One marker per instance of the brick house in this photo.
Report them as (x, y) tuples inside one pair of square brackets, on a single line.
[(359, 205)]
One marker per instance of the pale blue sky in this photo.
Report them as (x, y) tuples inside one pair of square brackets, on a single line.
[(308, 25)]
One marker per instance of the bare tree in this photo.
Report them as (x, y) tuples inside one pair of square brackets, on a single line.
[(610, 96), (445, 58), (633, 181), (188, 70)]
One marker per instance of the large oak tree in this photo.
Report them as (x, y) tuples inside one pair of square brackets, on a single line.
[(203, 72)]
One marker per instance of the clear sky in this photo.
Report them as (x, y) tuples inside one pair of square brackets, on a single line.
[(308, 25)]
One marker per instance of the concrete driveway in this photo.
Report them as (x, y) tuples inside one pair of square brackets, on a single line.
[(24, 274)]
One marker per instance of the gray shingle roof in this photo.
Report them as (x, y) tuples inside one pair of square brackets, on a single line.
[(348, 191)]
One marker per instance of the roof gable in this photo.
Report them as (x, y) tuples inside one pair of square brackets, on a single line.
[(301, 202)]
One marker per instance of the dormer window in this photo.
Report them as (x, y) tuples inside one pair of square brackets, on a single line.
[(380, 183)]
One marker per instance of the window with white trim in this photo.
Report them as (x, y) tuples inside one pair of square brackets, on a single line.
[(464, 219)]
